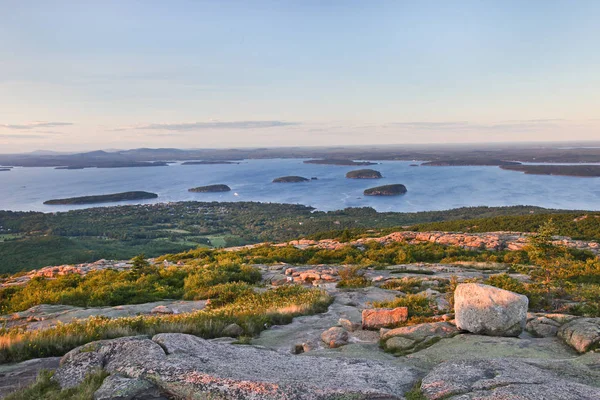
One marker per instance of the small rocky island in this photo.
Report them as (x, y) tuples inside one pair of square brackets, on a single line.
[(103, 198), (338, 162), (364, 174), (210, 189), (290, 179), (208, 162), (386, 190), (587, 171)]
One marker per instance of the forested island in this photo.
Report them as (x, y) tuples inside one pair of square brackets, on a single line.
[(290, 179), (4, 169), (208, 162), (587, 171), (210, 189), (364, 174), (104, 198), (386, 190), (469, 163), (338, 162)]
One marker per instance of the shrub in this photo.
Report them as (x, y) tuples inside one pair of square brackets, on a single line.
[(352, 277), (418, 305), (48, 389)]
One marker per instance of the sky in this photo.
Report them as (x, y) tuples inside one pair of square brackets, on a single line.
[(85, 75)]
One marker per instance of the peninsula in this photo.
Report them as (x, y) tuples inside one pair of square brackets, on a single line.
[(587, 171), (469, 163), (210, 189), (208, 162), (338, 162), (290, 179), (364, 174), (386, 190), (104, 198)]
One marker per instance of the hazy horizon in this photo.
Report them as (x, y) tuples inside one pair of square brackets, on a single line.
[(122, 74)]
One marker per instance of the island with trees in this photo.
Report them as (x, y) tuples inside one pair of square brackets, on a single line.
[(585, 171), (333, 161), (4, 169), (210, 189), (290, 179), (386, 190), (104, 198), (364, 174)]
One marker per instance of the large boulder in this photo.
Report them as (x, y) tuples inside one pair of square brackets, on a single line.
[(185, 366), (501, 379), (583, 334), (487, 310), (378, 318)]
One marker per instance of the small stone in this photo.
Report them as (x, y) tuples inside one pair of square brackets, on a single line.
[(297, 348), (232, 330), (335, 337), (348, 325)]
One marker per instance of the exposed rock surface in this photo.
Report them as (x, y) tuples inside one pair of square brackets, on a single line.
[(583, 334), (16, 376), (546, 325), (46, 315), (501, 379), (416, 337), (487, 310), (489, 241), (185, 366), (378, 318), (118, 387)]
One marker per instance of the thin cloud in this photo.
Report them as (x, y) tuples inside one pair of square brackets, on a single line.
[(193, 126), (514, 125), (35, 125)]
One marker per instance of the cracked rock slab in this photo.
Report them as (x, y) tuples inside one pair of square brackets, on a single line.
[(501, 379), (185, 366), (582, 334)]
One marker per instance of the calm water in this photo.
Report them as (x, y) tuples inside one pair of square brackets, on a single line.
[(429, 188)]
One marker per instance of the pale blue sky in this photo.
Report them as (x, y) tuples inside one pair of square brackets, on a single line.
[(119, 74)]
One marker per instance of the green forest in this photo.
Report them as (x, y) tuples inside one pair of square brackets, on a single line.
[(31, 240)]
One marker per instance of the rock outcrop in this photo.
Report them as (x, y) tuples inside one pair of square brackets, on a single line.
[(416, 337), (487, 310), (501, 379), (583, 334), (378, 318), (183, 365)]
